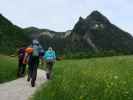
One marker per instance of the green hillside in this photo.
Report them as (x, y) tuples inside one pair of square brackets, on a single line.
[(8, 68), (108, 78), (11, 36)]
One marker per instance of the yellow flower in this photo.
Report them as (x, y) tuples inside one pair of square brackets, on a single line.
[(81, 97)]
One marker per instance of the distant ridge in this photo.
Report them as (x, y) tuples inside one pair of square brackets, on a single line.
[(91, 35)]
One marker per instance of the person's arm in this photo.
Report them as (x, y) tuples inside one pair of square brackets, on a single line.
[(42, 61), (25, 57), (42, 58), (45, 55), (54, 55)]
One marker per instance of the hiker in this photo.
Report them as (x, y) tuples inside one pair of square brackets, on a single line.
[(34, 62), (41, 54), (21, 65), (49, 58), (28, 53)]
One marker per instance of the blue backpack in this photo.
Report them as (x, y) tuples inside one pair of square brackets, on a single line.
[(50, 55)]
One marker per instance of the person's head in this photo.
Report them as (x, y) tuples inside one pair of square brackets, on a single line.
[(50, 48), (35, 42)]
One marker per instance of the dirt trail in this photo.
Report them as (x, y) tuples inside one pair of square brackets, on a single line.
[(20, 89)]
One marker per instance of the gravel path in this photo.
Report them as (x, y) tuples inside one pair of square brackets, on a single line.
[(20, 89)]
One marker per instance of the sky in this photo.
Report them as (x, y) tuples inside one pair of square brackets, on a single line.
[(62, 15)]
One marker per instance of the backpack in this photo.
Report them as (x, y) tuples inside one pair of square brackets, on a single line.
[(21, 53), (29, 50), (36, 50), (50, 56)]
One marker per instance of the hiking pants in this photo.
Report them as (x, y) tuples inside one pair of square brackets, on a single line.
[(21, 69), (49, 66), (33, 65)]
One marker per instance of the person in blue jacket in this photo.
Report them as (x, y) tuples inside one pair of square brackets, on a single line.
[(49, 58), (33, 62)]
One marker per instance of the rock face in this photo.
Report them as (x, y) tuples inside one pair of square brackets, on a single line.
[(49, 38), (96, 33), (34, 32)]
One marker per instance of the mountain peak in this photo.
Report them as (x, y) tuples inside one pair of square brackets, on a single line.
[(80, 18), (97, 16), (1, 16), (96, 13)]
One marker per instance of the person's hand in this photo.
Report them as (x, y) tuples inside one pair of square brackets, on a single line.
[(43, 62), (24, 61)]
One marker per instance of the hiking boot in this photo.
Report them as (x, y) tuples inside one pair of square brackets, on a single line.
[(48, 76), (33, 83), (28, 79)]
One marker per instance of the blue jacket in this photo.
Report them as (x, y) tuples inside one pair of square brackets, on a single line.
[(50, 55)]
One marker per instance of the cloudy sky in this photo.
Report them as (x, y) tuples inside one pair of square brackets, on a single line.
[(61, 15)]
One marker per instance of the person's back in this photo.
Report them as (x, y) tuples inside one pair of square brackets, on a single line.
[(21, 65), (50, 55), (34, 61), (36, 50), (21, 54), (49, 58)]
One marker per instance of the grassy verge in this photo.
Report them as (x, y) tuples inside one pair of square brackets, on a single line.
[(108, 78), (8, 68)]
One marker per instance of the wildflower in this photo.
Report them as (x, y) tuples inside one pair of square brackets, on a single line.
[(115, 77), (126, 92)]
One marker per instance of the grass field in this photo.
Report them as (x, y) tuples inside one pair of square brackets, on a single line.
[(8, 68), (109, 78)]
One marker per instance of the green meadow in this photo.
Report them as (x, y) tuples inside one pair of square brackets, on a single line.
[(8, 68), (109, 78)]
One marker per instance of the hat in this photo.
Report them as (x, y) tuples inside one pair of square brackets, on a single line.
[(35, 42)]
